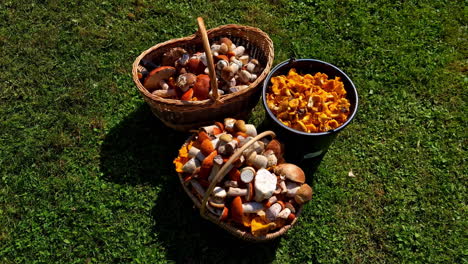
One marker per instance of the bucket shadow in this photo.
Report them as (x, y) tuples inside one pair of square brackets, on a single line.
[(310, 166), (140, 150)]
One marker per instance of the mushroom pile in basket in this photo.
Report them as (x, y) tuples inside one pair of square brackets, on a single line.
[(260, 193), (185, 76)]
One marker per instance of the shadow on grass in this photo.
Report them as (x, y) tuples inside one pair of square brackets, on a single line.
[(140, 150)]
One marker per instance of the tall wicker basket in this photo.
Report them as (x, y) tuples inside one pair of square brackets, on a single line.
[(234, 230), (186, 115)]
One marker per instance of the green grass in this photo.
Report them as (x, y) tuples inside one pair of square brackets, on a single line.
[(85, 168)]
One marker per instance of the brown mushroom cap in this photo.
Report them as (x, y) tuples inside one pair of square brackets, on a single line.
[(237, 211), (304, 194), (291, 172), (151, 83), (276, 147), (172, 55)]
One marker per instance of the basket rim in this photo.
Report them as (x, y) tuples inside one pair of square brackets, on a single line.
[(197, 36), (230, 228)]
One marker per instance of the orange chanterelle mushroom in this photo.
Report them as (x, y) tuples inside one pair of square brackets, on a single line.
[(308, 103)]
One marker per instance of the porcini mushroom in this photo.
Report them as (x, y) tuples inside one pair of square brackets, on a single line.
[(276, 147), (171, 56), (186, 81), (304, 194), (152, 82), (291, 172), (292, 188)]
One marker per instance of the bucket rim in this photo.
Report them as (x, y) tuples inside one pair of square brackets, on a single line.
[(266, 83)]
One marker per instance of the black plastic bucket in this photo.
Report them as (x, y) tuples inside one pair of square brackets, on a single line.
[(307, 149)]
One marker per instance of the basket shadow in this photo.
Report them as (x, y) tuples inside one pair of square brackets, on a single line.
[(189, 238), (139, 150)]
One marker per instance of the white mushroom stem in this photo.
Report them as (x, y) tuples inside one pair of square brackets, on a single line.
[(260, 162), (163, 85), (195, 152), (244, 76), (250, 156), (284, 189), (219, 192), (217, 163), (232, 82), (191, 165), (215, 142), (265, 185), (271, 201), (239, 50), (215, 47), (253, 77), (247, 174), (231, 146), (203, 59), (209, 129), (284, 214), (231, 184), (273, 211), (232, 191), (252, 207), (250, 67), (243, 140), (251, 130), (244, 59), (292, 188), (220, 92), (259, 147)]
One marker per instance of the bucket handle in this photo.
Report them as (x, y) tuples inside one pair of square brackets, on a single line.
[(227, 165), (209, 59)]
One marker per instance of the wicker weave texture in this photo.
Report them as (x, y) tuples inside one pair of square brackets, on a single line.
[(240, 233), (185, 115)]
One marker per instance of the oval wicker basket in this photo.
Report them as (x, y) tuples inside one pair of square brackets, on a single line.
[(201, 205), (186, 115)]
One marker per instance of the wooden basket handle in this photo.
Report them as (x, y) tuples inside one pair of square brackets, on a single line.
[(209, 59), (227, 165)]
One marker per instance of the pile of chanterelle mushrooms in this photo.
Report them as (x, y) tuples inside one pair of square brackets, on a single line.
[(260, 193), (185, 76)]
